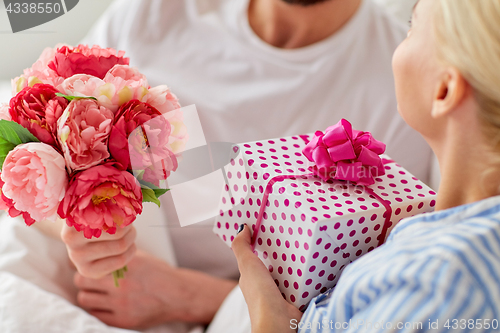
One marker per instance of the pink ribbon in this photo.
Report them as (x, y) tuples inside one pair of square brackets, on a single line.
[(341, 152), (265, 198), (345, 154), (269, 189)]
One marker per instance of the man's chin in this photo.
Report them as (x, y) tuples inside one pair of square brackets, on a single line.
[(303, 2)]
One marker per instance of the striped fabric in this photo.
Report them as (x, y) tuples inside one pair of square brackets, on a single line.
[(437, 272)]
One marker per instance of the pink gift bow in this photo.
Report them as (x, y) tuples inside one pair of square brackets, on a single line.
[(341, 133), (345, 154)]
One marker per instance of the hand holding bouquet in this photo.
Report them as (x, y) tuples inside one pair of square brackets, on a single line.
[(85, 138)]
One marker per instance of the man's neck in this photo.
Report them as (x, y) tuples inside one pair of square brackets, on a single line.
[(293, 26)]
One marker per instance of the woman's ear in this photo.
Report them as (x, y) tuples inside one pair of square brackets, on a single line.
[(450, 92)]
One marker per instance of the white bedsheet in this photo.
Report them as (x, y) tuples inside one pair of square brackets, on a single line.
[(36, 258), (26, 308), (232, 316), (36, 289), (36, 292)]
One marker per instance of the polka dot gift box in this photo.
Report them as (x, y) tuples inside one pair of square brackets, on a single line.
[(316, 203)]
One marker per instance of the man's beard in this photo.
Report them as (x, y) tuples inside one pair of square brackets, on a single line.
[(303, 2)]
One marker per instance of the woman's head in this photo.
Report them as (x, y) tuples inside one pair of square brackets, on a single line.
[(452, 49)]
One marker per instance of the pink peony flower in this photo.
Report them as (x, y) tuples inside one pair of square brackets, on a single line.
[(47, 56), (38, 73), (101, 198), (82, 59), (127, 83), (83, 132), (159, 167), (7, 205), (35, 178), (162, 99), (127, 73), (179, 134), (5, 111), (120, 85), (81, 85), (139, 139), (167, 103), (149, 152), (113, 91), (38, 109)]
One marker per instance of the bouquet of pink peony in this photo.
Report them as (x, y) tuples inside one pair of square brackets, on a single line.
[(86, 139)]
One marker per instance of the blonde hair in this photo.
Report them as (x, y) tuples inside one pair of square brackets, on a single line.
[(468, 38)]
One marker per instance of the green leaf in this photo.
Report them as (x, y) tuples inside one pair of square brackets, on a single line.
[(11, 135), (158, 191), (5, 148), (15, 133), (148, 195), (151, 193), (70, 98)]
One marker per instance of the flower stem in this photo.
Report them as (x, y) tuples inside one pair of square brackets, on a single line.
[(119, 274)]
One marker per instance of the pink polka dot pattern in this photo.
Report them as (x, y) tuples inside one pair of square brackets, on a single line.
[(311, 229)]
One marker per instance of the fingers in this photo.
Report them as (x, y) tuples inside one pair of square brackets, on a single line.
[(69, 235), (98, 297), (110, 264), (115, 319), (102, 299), (107, 317), (250, 266), (242, 248), (95, 250), (102, 267), (257, 285), (102, 285), (93, 301), (241, 243), (98, 257)]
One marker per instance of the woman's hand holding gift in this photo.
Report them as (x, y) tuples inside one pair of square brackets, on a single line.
[(269, 312)]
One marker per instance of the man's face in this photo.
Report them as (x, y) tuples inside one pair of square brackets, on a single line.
[(304, 2)]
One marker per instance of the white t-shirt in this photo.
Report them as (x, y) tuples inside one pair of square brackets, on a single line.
[(400, 9), (246, 90)]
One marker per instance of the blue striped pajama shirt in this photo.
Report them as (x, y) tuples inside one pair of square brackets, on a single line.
[(437, 272)]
